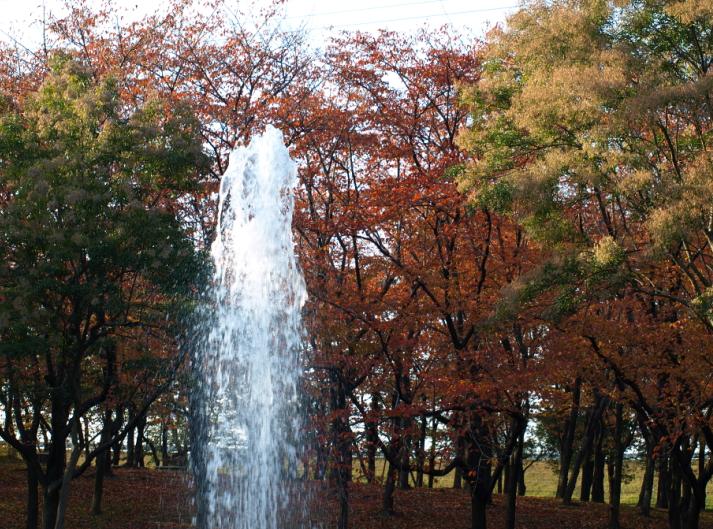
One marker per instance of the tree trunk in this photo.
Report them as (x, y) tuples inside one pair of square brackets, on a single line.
[(567, 442), (696, 504), (372, 437), (674, 497), (108, 471), (86, 437), (343, 493), (457, 479), (342, 440), (664, 480), (164, 445), (67, 478), (702, 468), (478, 506), (389, 486), (157, 459), (11, 452), (49, 507), (101, 465), (617, 470), (647, 483), (116, 453), (458, 474), (432, 451), (587, 441), (479, 455), (116, 448), (421, 457), (521, 486), (32, 497), (139, 444), (587, 477), (56, 461), (45, 438), (403, 471), (130, 451), (599, 464), (514, 478), (405, 454)]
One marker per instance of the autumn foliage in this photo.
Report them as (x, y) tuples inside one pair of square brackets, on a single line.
[(507, 247)]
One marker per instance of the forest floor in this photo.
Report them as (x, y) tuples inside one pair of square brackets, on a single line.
[(156, 499)]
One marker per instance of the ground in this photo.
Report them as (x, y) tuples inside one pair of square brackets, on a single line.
[(155, 499), (133, 499)]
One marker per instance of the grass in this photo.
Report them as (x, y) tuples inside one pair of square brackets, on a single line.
[(541, 481)]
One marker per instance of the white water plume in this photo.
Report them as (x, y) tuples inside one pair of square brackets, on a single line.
[(245, 447)]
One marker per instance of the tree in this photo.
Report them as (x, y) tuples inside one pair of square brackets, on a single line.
[(402, 273), (92, 249), (590, 127)]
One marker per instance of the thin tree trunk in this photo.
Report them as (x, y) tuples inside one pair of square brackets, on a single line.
[(56, 461), (479, 455), (87, 448), (342, 439), (33, 499), (101, 465), (599, 464), (139, 445), (647, 483), (403, 472), (116, 453), (458, 479), (514, 478), (67, 478), (587, 477), (421, 458), (521, 486), (458, 474), (664, 480), (130, 448), (674, 497), (432, 451), (164, 445), (343, 493), (372, 438), (567, 443), (387, 503), (157, 460), (617, 464), (587, 441), (11, 452), (478, 506), (702, 468)]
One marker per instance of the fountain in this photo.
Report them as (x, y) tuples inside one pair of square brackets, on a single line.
[(246, 417)]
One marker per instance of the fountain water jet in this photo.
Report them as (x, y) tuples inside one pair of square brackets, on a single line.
[(246, 419)]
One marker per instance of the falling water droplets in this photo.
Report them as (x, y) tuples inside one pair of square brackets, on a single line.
[(248, 361)]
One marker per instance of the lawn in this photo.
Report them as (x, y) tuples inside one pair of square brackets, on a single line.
[(541, 481)]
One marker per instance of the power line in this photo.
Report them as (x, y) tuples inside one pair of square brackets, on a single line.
[(361, 9), (445, 11), (371, 22)]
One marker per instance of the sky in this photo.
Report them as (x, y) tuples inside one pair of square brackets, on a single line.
[(20, 19)]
